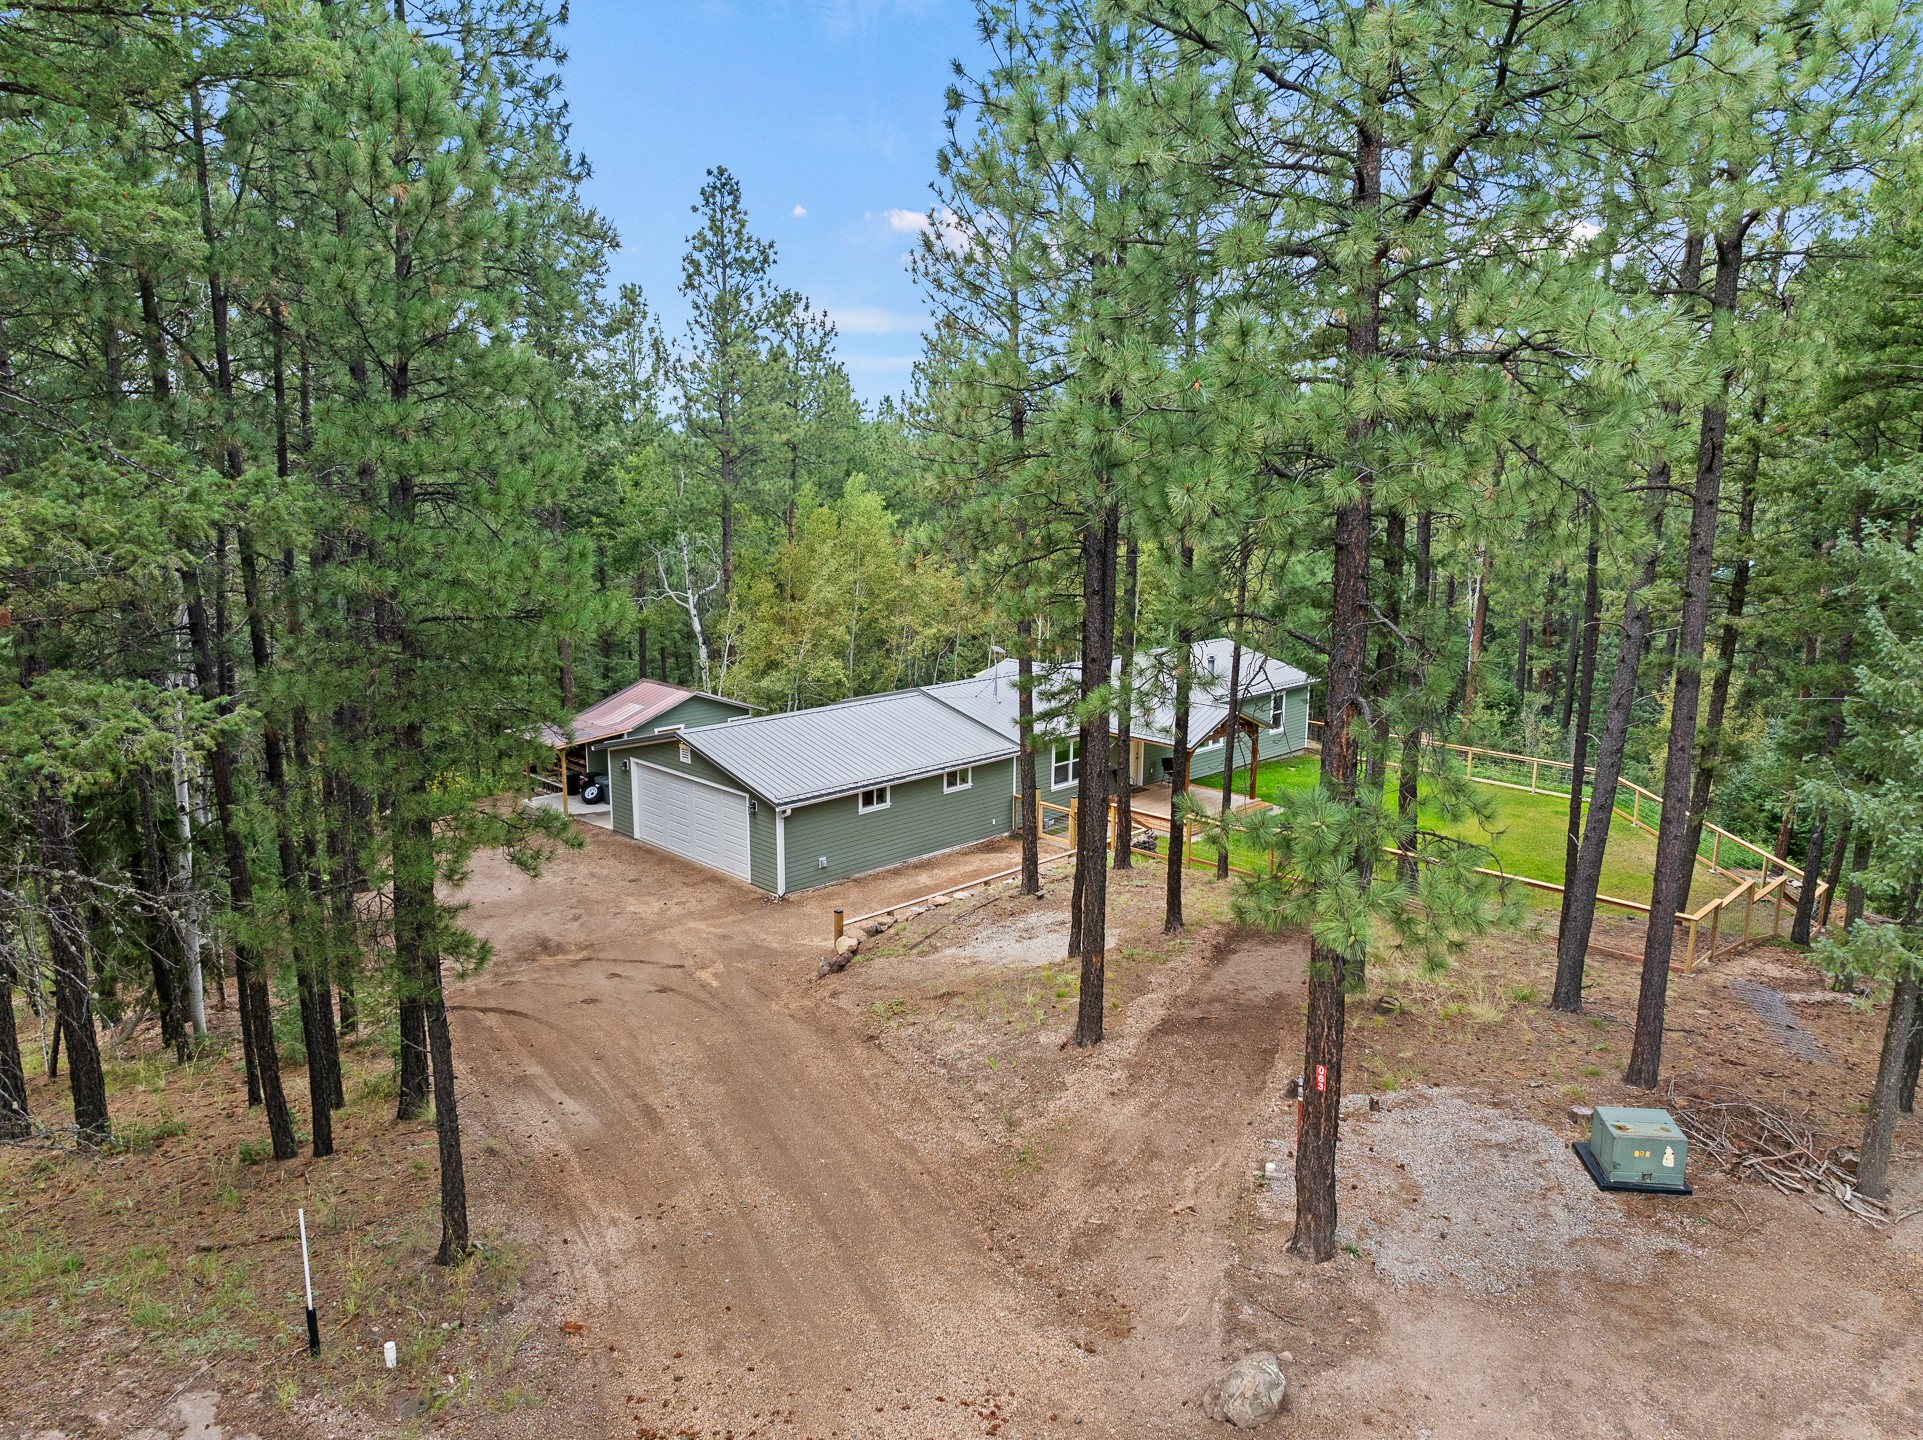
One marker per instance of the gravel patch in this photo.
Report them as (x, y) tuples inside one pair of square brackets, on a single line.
[(1453, 1190), (1022, 940)]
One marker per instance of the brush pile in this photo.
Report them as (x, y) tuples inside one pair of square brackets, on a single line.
[(1749, 1139)]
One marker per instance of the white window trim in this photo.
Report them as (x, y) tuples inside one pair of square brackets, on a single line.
[(1074, 764), (1279, 710), (967, 772), (862, 807)]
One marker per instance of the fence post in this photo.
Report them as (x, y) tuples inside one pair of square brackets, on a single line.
[(1715, 852), (837, 922), (1635, 807), (1776, 906), (1468, 764), (1689, 955), (1074, 808), (1715, 924), (1749, 900), (1535, 770)]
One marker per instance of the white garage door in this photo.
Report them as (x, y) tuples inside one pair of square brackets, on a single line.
[(703, 822)]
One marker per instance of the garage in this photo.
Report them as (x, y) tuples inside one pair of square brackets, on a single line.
[(702, 822)]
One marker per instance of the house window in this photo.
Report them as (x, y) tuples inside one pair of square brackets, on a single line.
[(1278, 710), (1068, 764), (955, 780), (875, 799), (687, 756)]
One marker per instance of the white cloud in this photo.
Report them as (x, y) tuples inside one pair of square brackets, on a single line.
[(873, 320), (800, 211), (917, 222)]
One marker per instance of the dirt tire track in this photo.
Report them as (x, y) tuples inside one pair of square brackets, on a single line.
[(731, 1193)]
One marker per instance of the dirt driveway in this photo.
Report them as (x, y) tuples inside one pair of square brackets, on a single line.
[(757, 1220), (890, 1204)]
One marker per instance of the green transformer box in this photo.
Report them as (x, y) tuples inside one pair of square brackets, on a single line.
[(1643, 1148)]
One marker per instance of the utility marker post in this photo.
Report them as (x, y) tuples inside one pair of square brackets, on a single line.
[(307, 1274)]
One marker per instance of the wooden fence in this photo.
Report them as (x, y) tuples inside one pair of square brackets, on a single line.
[(1709, 932)]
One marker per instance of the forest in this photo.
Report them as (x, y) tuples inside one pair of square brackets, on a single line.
[(1534, 376)]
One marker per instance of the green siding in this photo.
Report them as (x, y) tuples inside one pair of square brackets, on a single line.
[(1289, 740), (920, 820), (667, 754)]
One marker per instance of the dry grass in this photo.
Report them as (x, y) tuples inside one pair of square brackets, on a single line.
[(173, 1256)]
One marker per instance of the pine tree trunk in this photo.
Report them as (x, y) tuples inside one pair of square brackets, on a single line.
[(72, 978), (1802, 925), (1124, 709), (1234, 721), (1394, 544), (1571, 665), (1315, 1197), (315, 1006), (1409, 772), (1912, 1062), (1669, 888), (1833, 873), (1172, 917), (1583, 638), (447, 1123), (1853, 901), (1025, 764), (15, 1122), (1581, 884), (1879, 1128), (166, 950), (1325, 1029), (1099, 539), (250, 982), (1709, 760), (344, 801)]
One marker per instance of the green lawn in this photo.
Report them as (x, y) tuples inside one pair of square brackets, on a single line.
[(1524, 831)]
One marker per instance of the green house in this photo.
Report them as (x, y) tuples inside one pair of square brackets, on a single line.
[(794, 800), (807, 797), (1273, 698)]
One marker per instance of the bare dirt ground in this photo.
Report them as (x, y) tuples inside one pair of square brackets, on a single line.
[(722, 1198), (891, 1203)]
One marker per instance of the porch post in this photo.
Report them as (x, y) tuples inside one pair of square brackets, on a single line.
[(1255, 756)]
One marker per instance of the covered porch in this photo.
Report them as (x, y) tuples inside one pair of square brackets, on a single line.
[(1157, 802)]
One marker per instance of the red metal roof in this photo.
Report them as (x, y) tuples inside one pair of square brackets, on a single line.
[(621, 712)]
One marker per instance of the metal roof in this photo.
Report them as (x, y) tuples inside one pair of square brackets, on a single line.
[(625, 710), (992, 696), (800, 756)]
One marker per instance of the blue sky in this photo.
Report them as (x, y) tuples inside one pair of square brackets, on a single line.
[(829, 112)]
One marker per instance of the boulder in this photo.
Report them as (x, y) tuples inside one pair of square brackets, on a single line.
[(847, 945), (964, 894), (1248, 1393), (938, 901), (884, 925), (871, 929)]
